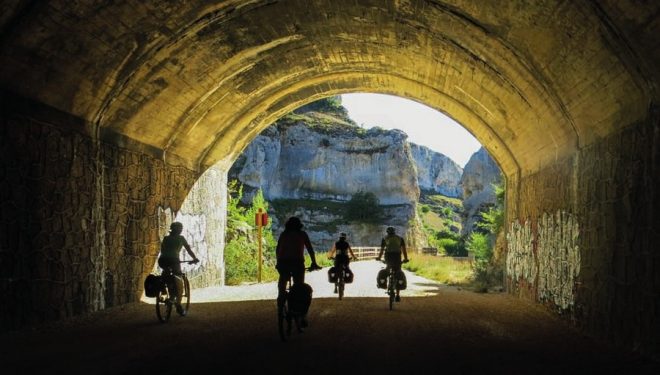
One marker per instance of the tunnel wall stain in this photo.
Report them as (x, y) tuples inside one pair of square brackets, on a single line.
[(590, 226), (54, 224)]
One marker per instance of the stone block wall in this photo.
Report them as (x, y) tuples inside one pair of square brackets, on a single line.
[(583, 238), (80, 220)]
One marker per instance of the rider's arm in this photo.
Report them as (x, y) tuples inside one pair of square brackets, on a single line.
[(310, 250), (351, 252), (403, 249), (382, 248), (189, 250), (332, 251)]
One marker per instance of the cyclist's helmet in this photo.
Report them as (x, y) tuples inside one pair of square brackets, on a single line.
[(390, 230), (176, 227), (342, 236)]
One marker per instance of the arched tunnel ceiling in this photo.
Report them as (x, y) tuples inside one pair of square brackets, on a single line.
[(533, 81)]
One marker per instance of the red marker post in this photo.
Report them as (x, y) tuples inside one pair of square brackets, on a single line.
[(260, 220)]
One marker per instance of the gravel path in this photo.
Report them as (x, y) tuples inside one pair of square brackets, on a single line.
[(434, 330)]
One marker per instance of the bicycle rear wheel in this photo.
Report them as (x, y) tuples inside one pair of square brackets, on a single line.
[(340, 289), (163, 306), (391, 299), (390, 290), (185, 298), (282, 314)]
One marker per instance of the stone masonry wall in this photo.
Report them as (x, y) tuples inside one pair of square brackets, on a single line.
[(81, 221), (584, 237)]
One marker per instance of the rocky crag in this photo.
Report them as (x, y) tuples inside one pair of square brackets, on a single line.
[(479, 175), (310, 164)]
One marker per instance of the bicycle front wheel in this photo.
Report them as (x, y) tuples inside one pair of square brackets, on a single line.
[(185, 298), (340, 289), (163, 306), (281, 319)]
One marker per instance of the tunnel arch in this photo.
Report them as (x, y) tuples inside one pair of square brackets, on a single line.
[(116, 109), (189, 77)]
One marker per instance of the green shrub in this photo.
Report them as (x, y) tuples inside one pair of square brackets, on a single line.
[(241, 246), (364, 207)]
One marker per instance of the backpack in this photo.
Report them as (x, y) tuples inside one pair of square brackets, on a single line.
[(152, 285), (300, 297)]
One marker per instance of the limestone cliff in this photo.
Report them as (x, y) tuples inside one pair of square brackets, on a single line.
[(310, 163), (436, 172), (298, 159), (479, 175)]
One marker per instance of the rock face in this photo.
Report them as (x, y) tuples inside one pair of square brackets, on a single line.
[(479, 175), (317, 154), (294, 161), (436, 172), (311, 163)]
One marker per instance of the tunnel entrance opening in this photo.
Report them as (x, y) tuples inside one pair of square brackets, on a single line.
[(316, 161)]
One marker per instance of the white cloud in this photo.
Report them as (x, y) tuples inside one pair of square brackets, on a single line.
[(424, 125)]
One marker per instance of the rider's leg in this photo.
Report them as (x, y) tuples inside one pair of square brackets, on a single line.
[(178, 281), (395, 263), (281, 287)]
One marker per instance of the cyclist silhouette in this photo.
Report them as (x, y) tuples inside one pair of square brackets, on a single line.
[(341, 250), (393, 246), (169, 258), (290, 255)]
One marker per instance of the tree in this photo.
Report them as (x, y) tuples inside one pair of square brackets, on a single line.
[(364, 207)]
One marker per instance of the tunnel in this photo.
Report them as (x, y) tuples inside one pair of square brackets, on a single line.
[(116, 116)]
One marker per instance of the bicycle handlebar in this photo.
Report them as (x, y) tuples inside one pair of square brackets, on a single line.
[(195, 261), (312, 268), (403, 261)]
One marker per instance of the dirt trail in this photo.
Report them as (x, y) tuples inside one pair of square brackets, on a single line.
[(435, 329)]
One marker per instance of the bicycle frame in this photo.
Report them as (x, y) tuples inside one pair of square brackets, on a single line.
[(166, 298), (284, 314), (340, 283)]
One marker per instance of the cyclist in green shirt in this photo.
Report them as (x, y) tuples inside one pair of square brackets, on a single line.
[(393, 246)]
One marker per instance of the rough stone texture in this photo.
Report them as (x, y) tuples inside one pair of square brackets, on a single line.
[(606, 248), (75, 240), (479, 175), (436, 172), (204, 217)]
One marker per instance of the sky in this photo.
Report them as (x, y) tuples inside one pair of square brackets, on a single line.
[(424, 125)]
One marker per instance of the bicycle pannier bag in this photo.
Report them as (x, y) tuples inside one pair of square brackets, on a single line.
[(152, 285), (349, 276), (401, 281), (382, 279), (300, 297), (332, 275)]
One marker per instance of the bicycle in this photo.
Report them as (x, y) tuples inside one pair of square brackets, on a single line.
[(286, 314), (166, 297), (391, 283), (340, 282)]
